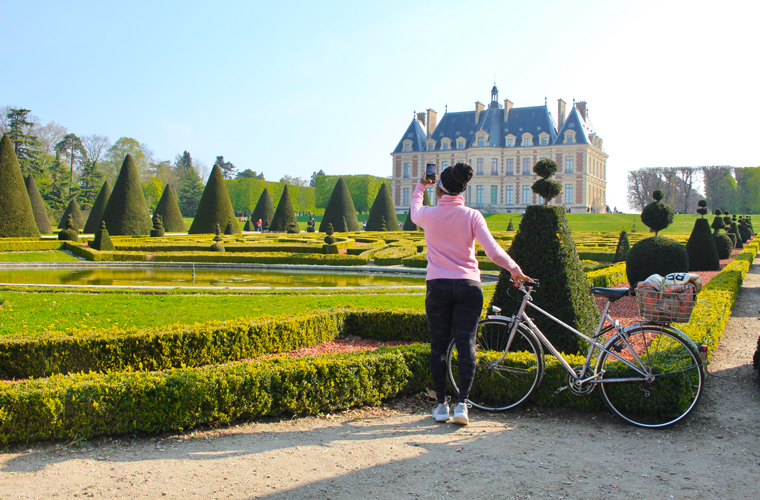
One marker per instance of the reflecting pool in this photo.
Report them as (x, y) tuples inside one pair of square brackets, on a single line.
[(207, 277)]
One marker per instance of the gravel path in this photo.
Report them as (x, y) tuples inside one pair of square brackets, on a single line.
[(397, 451)]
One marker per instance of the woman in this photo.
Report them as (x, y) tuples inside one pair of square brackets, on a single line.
[(454, 299)]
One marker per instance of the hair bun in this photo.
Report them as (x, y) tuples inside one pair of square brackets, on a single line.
[(462, 173)]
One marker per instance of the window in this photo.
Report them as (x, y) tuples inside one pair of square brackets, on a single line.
[(480, 142), (526, 166), (568, 194), (525, 195), (494, 195), (479, 195), (469, 195), (446, 146), (479, 167), (527, 141), (494, 166), (544, 142), (510, 167), (406, 170), (569, 139), (569, 165), (444, 165), (509, 195), (407, 148), (460, 144), (431, 146), (405, 201), (510, 143)]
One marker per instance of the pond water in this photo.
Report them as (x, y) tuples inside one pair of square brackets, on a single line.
[(206, 277)]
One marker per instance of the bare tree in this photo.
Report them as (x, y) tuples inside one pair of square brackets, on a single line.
[(641, 183), (687, 177), (49, 135), (94, 145), (712, 178), (294, 181)]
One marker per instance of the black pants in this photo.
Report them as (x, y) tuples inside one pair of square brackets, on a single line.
[(453, 306)]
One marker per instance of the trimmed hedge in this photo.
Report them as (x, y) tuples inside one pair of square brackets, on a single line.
[(393, 256), (26, 245), (609, 276)]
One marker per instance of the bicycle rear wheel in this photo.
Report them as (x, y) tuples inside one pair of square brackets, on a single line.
[(673, 385), (500, 384)]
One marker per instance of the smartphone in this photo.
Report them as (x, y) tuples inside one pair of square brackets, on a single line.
[(430, 172)]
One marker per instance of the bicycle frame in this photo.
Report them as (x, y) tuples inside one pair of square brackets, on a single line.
[(521, 317)]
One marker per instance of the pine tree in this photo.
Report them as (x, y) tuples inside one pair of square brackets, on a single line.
[(16, 215), (25, 144), (126, 212), (168, 209), (96, 214), (71, 148), (38, 206), (190, 192), (88, 184), (284, 215), (214, 206)]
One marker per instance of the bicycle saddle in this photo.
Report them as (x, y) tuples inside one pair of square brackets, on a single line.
[(612, 294)]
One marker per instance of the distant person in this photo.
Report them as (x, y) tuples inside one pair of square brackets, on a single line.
[(364, 225), (258, 226), (454, 298)]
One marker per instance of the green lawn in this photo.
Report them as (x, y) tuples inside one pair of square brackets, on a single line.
[(51, 256)]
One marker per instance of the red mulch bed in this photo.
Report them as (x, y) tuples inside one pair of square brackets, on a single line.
[(342, 345)]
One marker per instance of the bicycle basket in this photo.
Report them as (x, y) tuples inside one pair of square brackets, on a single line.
[(673, 306)]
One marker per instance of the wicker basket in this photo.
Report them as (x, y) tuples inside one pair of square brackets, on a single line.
[(665, 307)]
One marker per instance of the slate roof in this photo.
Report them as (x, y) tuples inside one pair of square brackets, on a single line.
[(416, 134), (576, 123), (533, 119)]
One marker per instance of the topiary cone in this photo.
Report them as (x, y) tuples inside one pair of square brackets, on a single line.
[(76, 216), (38, 206), (214, 207), (249, 226), (102, 241), (340, 206), (408, 224), (284, 215), (544, 249), (703, 254), (126, 212), (383, 209), (623, 247), (264, 210), (70, 233), (16, 215), (168, 209), (96, 213)]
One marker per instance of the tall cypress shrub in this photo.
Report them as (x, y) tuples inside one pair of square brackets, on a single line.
[(339, 207), (284, 216), (382, 208), (96, 213), (703, 254), (38, 206), (77, 218), (264, 210), (168, 209), (544, 248), (126, 212), (409, 225), (623, 247), (215, 206), (16, 215)]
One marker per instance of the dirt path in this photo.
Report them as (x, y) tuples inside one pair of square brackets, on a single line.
[(397, 451)]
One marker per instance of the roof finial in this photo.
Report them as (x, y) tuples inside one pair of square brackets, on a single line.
[(414, 117), (545, 101), (446, 110)]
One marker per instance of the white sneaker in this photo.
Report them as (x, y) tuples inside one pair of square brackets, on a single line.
[(441, 411), (460, 414)]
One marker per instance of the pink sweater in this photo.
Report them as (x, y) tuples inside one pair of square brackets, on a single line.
[(450, 233)]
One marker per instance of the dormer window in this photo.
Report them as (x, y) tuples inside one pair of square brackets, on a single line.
[(569, 137), (544, 138), (510, 140), (446, 146), (544, 141), (431, 145), (407, 148), (460, 143), (527, 139), (480, 142)]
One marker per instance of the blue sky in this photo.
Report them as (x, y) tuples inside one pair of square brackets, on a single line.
[(292, 87)]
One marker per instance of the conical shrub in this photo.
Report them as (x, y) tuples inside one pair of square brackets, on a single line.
[(16, 215), (340, 206), (623, 247), (510, 226), (408, 224), (544, 249), (102, 241), (703, 254), (76, 216), (96, 213), (264, 210), (168, 209), (382, 208), (38, 206), (284, 216), (215, 206), (249, 226), (69, 233), (126, 212)]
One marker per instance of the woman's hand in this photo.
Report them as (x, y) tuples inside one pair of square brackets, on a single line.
[(428, 182), (521, 277)]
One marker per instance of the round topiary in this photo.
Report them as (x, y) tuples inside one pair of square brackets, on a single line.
[(657, 215), (733, 229), (70, 233), (702, 210), (703, 254), (217, 246), (329, 239), (545, 187), (723, 245), (655, 255), (382, 209), (102, 240), (293, 228), (717, 223), (623, 247), (158, 230)]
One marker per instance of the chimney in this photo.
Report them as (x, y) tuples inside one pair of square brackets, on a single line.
[(432, 121), (421, 118), (560, 113), (581, 107), (479, 106), (507, 106)]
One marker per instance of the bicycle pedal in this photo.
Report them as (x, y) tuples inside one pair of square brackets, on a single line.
[(560, 389)]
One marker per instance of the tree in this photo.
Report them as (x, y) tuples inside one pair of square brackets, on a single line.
[(94, 145), (140, 153), (228, 169), (72, 149), (25, 144), (748, 184), (190, 191), (314, 175), (152, 188), (16, 215), (293, 181), (58, 193), (89, 182), (48, 136), (249, 174), (545, 187)]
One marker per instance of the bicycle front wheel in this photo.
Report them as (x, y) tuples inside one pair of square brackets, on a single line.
[(670, 387), (503, 379)]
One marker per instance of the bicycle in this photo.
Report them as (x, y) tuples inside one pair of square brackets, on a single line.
[(650, 374)]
